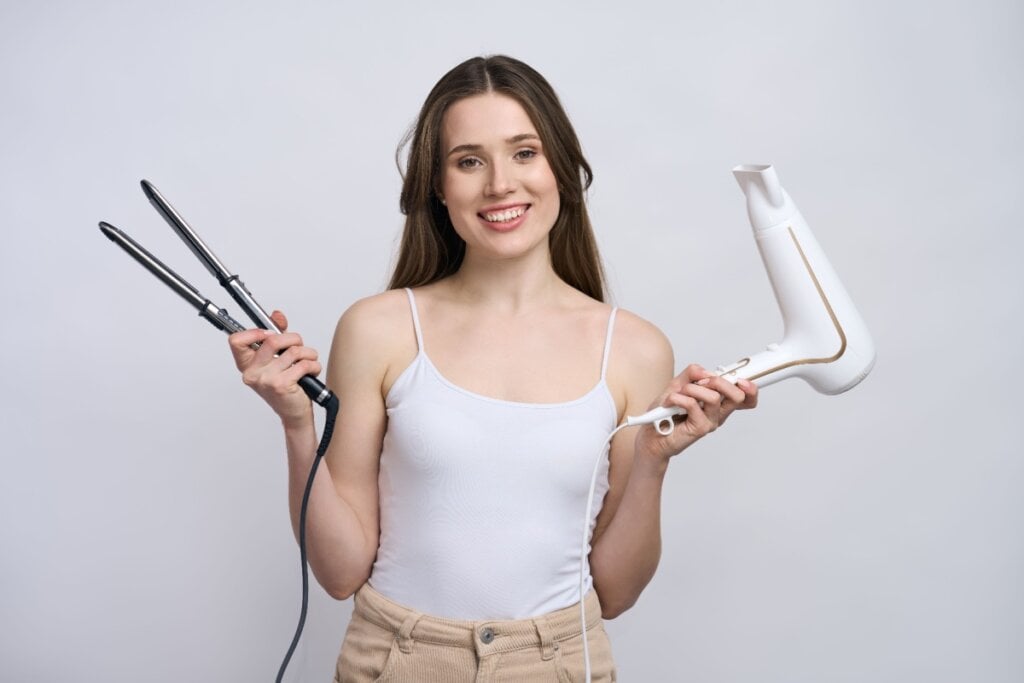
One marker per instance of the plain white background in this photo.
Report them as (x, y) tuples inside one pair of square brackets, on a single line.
[(874, 536)]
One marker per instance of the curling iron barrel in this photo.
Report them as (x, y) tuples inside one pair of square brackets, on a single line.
[(219, 317)]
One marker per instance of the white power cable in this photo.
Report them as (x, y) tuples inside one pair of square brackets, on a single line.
[(586, 540), (661, 418)]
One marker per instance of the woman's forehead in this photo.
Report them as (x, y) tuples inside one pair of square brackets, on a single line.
[(484, 119)]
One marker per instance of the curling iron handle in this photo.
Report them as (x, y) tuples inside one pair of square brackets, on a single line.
[(315, 389), (311, 386)]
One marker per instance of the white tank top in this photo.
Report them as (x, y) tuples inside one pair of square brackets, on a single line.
[(482, 500)]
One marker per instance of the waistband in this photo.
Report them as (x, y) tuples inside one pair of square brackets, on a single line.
[(486, 637)]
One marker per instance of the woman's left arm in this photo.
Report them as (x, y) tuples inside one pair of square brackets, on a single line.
[(626, 545)]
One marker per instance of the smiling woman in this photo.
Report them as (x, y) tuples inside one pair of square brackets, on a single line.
[(477, 393), (501, 194), (430, 247)]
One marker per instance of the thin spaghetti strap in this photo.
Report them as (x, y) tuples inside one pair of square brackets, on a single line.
[(608, 343), (415, 319)]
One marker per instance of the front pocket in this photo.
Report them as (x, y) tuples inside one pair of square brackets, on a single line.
[(391, 664), (366, 653), (570, 662)]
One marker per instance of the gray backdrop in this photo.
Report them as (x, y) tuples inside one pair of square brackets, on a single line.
[(870, 537)]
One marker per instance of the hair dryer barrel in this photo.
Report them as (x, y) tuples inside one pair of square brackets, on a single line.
[(826, 341)]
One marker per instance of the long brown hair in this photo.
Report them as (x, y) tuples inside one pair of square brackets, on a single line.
[(430, 248)]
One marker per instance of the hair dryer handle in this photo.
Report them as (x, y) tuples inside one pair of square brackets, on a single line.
[(660, 417)]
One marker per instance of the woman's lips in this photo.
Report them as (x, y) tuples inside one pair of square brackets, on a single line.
[(505, 218)]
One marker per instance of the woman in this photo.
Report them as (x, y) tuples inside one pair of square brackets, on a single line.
[(477, 394)]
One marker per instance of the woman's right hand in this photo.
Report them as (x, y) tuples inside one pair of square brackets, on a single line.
[(275, 377)]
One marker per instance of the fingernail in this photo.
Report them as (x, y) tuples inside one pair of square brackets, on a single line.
[(704, 382)]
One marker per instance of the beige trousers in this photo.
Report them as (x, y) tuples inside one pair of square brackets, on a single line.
[(388, 642)]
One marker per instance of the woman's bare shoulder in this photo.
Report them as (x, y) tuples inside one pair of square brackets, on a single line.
[(376, 314), (639, 341), (376, 329), (641, 362)]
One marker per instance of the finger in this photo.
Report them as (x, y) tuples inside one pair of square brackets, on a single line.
[(294, 354), (276, 343), (750, 393), (711, 402), (674, 385), (301, 369), (241, 344), (280, 320), (693, 373), (697, 422), (728, 390), (243, 340), (702, 392)]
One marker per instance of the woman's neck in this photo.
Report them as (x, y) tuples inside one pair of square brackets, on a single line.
[(511, 285)]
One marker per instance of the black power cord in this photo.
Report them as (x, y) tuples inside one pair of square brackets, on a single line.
[(331, 406)]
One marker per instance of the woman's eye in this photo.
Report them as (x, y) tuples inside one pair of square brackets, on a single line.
[(468, 162), (524, 154)]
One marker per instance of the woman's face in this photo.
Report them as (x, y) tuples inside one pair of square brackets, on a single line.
[(500, 191)]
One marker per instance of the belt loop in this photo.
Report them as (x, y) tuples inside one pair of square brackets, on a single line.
[(405, 641), (547, 643)]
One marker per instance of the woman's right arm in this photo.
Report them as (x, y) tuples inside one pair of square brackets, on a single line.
[(342, 524)]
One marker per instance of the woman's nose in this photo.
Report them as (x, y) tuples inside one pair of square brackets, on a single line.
[(501, 181)]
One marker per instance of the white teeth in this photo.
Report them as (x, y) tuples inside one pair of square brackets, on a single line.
[(505, 216)]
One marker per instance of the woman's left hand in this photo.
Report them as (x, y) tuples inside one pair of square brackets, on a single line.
[(708, 400)]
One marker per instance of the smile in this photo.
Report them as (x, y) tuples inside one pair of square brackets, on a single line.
[(505, 216)]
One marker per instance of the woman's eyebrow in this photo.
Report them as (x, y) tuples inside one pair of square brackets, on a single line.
[(522, 136), (476, 148)]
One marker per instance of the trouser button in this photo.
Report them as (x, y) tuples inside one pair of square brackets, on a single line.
[(486, 636)]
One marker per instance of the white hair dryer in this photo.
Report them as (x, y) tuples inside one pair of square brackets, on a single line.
[(826, 342)]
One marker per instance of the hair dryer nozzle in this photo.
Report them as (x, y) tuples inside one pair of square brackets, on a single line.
[(767, 203)]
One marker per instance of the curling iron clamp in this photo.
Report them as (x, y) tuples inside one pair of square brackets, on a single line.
[(209, 311)]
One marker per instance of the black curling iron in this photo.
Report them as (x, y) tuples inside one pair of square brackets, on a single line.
[(220, 319)]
